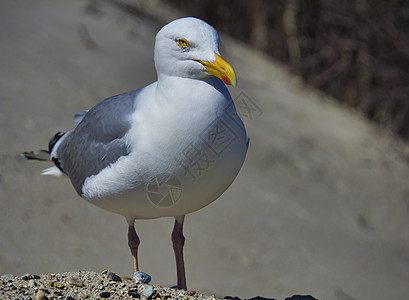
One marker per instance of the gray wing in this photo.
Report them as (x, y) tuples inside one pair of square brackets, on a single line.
[(98, 140)]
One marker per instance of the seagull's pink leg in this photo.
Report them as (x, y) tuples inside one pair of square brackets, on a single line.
[(178, 241), (133, 243)]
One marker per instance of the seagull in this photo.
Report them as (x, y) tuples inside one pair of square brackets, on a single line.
[(165, 150)]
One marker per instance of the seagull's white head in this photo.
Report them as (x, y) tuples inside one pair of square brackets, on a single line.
[(189, 48)]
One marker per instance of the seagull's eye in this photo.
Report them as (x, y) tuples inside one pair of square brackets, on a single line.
[(182, 43)]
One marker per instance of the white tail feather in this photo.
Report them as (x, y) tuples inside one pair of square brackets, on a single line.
[(52, 171)]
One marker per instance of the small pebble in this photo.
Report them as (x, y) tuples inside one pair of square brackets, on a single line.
[(58, 285), (191, 293), (41, 295), (31, 283), (75, 281), (133, 293), (166, 295), (26, 277), (114, 277), (105, 295), (148, 291), (69, 298), (104, 272), (141, 277)]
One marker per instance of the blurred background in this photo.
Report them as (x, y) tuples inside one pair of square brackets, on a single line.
[(321, 205)]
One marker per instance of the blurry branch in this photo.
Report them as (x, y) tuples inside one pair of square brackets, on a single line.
[(290, 28), (364, 59), (259, 28), (86, 38)]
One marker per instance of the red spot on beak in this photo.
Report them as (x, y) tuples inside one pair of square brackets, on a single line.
[(226, 80)]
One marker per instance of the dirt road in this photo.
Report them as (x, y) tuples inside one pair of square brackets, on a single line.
[(320, 206)]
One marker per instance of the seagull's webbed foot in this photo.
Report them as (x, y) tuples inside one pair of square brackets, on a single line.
[(178, 241)]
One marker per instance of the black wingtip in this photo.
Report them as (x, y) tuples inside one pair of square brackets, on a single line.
[(54, 140)]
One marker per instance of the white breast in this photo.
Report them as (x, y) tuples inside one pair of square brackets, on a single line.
[(184, 155)]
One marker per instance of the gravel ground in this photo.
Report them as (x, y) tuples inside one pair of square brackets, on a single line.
[(93, 285), (87, 285)]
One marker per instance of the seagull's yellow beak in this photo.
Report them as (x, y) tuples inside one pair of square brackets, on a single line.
[(221, 69)]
